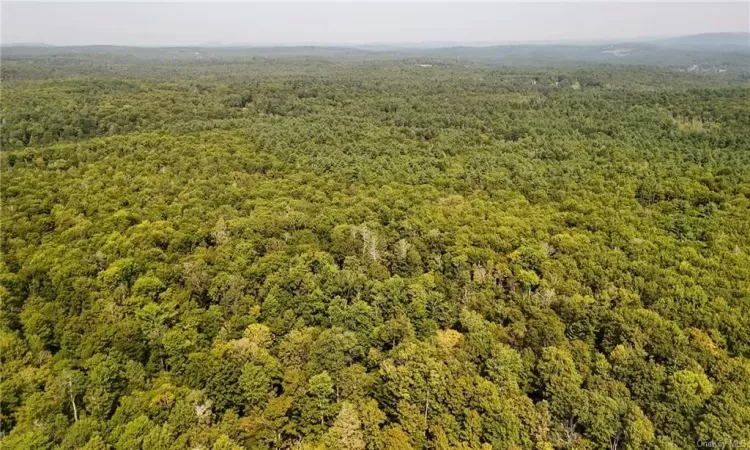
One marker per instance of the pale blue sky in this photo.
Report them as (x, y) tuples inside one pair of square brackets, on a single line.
[(181, 23)]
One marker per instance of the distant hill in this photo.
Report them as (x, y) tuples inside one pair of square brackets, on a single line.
[(727, 41), (712, 50), (702, 52)]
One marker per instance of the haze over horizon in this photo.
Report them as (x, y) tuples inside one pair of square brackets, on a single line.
[(186, 24)]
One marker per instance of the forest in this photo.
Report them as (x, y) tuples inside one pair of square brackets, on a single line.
[(344, 253)]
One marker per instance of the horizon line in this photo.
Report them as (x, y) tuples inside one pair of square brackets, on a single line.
[(353, 44)]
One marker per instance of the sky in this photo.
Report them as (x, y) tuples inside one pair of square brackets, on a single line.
[(193, 23)]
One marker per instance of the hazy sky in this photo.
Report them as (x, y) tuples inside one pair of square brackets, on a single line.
[(181, 23)]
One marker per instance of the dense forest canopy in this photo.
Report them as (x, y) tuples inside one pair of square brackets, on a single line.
[(347, 253)]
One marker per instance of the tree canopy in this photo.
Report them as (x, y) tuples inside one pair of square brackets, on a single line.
[(285, 253)]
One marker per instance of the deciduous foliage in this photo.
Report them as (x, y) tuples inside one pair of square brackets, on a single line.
[(287, 253)]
